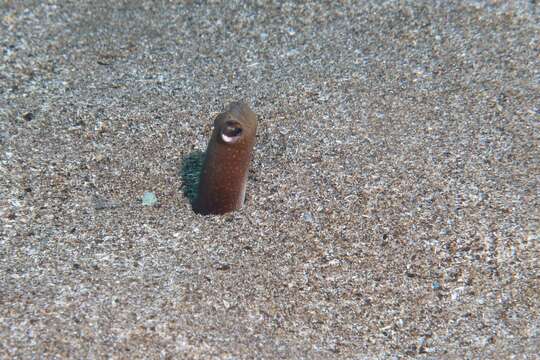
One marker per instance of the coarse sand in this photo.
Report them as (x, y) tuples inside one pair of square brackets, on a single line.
[(392, 203)]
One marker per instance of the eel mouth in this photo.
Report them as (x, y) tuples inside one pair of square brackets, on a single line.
[(231, 132)]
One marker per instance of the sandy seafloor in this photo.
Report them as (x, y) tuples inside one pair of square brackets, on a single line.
[(392, 207)]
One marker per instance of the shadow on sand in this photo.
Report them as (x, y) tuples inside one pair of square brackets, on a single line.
[(190, 172)]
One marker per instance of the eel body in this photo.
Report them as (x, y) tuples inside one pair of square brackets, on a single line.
[(222, 184)]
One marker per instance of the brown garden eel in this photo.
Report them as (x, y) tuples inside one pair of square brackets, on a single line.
[(222, 185)]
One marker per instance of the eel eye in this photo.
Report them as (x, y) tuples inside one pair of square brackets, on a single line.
[(231, 132)]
